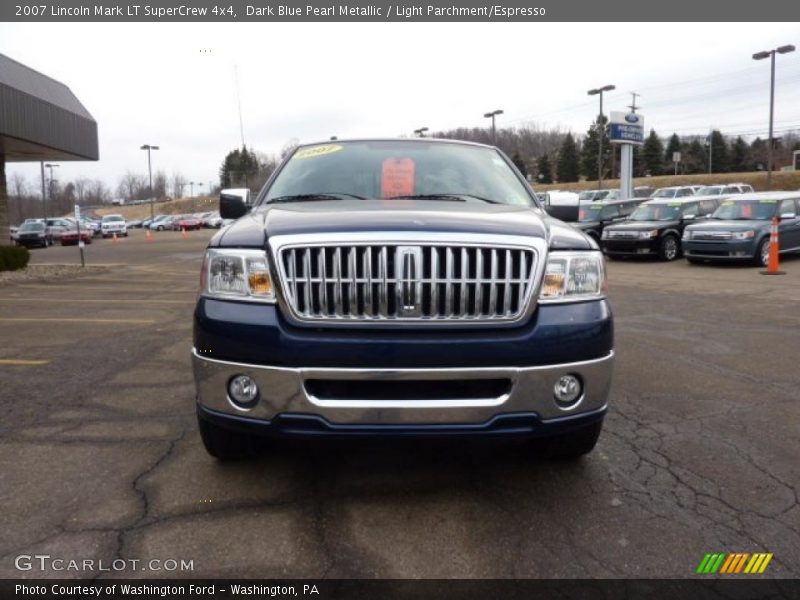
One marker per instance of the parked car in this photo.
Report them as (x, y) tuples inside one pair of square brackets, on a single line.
[(12, 231), (591, 195), (676, 191), (133, 223), (161, 223), (34, 234), (213, 220), (186, 223), (719, 190), (739, 229), (423, 291), (593, 218), (656, 226), (57, 226), (146, 222), (643, 191), (561, 205), (70, 237), (745, 188), (113, 224)]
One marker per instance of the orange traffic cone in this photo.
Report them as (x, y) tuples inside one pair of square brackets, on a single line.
[(772, 266), (148, 235), (184, 234), (115, 237)]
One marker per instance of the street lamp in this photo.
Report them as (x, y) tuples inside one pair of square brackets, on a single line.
[(601, 131), (150, 147), (421, 131), (492, 115), (191, 189), (199, 185), (761, 56), (50, 186)]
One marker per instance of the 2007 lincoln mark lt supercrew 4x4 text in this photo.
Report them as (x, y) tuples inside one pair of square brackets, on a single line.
[(400, 288)]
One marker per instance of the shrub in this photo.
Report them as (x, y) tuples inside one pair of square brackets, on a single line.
[(13, 258)]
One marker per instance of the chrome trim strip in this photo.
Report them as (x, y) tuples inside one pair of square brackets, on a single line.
[(283, 390)]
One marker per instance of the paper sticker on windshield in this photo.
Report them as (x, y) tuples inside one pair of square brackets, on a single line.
[(729, 203), (768, 201), (397, 177), (675, 204), (317, 151)]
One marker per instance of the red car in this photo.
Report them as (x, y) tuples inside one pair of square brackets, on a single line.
[(186, 222), (70, 237)]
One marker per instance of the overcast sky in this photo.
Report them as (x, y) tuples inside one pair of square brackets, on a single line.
[(173, 84)]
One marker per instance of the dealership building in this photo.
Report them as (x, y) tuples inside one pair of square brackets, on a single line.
[(41, 120)]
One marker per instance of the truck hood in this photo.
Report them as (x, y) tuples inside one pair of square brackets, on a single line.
[(356, 216)]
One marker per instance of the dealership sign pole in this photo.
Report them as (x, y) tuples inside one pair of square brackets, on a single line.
[(78, 229), (626, 129)]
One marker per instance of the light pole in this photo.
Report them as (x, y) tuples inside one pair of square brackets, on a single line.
[(420, 132), (50, 186), (761, 56), (150, 147), (191, 189), (601, 129), (492, 115), (199, 185)]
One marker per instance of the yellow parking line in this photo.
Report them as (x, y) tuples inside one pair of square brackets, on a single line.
[(101, 301), (69, 320), (21, 362)]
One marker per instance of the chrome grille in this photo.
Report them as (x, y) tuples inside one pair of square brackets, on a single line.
[(621, 234), (711, 235), (399, 282)]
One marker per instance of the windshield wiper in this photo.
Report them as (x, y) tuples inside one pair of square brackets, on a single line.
[(314, 197), (456, 197)]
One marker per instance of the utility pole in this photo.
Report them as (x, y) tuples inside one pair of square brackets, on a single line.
[(148, 147), (50, 188), (492, 115)]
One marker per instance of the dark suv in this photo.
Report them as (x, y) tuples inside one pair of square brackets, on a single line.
[(655, 228), (408, 287), (593, 218), (740, 229)]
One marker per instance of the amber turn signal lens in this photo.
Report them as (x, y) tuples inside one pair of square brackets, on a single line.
[(260, 283)]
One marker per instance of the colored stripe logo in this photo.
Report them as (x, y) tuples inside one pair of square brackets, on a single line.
[(734, 563)]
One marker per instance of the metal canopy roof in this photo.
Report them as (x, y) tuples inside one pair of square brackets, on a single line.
[(41, 119)]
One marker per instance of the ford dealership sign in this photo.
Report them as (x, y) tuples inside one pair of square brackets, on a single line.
[(626, 128)]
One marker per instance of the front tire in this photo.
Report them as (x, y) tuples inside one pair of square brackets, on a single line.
[(572, 445), (669, 249), (761, 258), (224, 444)]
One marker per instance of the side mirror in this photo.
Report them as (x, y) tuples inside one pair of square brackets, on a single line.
[(788, 216), (231, 207)]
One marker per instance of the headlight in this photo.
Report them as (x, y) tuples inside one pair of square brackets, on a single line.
[(237, 274), (604, 235), (743, 235), (573, 276), (646, 235)]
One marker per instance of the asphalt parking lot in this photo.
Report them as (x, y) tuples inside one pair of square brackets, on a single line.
[(100, 456)]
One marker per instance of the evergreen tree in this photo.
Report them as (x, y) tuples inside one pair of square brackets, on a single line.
[(673, 146), (239, 167), (695, 157), (520, 164), (739, 155), (590, 148), (545, 171), (568, 160), (757, 156), (653, 154), (720, 161)]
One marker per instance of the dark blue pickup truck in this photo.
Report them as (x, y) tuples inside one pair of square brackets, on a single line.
[(408, 287)]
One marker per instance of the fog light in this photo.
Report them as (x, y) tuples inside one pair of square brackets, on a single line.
[(568, 390), (243, 391)]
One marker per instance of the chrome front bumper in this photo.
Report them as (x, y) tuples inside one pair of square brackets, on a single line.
[(284, 391)]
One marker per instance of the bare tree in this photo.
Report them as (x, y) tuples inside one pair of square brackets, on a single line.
[(81, 186), (159, 185), (97, 192), (177, 181), (131, 185)]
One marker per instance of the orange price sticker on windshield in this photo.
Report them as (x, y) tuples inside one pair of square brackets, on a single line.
[(397, 177)]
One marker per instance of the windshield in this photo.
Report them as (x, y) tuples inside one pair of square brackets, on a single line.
[(665, 193), (590, 213), (584, 196), (745, 210), (32, 227), (399, 169), (709, 191), (110, 218), (657, 212)]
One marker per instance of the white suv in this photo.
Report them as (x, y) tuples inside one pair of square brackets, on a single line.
[(113, 224)]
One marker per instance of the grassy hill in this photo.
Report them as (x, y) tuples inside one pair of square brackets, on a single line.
[(781, 180)]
